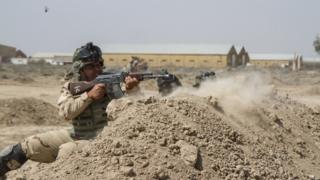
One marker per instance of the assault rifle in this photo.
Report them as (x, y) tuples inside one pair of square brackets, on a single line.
[(205, 75), (202, 77), (113, 82)]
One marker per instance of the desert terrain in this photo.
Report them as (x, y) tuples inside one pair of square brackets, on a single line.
[(247, 123)]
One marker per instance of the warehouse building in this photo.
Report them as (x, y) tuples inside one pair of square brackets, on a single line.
[(172, 55), (271, 60)]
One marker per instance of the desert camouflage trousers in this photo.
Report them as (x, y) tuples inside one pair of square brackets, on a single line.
[(52, 145)]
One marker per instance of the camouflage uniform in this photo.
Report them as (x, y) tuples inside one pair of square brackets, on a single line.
[(88, 118)]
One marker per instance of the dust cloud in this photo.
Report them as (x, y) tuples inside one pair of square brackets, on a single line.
[(239, 92)]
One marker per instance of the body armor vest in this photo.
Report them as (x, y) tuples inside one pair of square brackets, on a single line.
[(91, 121)]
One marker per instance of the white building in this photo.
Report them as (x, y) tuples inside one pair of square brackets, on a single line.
[(19, 61), (53, 58)]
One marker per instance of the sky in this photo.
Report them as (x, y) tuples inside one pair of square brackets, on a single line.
[(261, 26)]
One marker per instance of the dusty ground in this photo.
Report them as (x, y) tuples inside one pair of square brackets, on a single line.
[(246, 124)]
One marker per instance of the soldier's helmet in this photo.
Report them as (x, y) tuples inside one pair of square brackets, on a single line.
[(84, 55), (87, 54)]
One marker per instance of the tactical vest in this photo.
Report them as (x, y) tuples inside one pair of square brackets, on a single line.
[(91, 121)]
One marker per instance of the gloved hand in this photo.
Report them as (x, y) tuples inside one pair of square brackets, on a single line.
[(97, 92)]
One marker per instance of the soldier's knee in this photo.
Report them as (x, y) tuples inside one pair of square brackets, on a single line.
[(38, 150)]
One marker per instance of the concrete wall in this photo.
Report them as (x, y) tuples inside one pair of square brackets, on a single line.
[(270, 63)]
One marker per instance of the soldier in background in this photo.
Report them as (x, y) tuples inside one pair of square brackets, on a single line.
[(203, 76), (167, 85), (137, 65), (86, 112)]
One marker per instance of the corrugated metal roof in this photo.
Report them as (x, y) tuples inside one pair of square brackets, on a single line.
[(49, 55), (166, 48), (271, 56)]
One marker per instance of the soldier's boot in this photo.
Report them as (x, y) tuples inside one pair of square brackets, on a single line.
[(11, 157)]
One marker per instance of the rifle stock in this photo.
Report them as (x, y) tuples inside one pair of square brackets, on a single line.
[(77, 88)]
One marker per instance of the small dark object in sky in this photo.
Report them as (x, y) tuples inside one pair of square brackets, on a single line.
[(46, 9)]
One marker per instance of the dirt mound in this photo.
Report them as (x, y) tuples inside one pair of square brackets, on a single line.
[(32, 74), (191, 138), (233, 128), (28, 111)]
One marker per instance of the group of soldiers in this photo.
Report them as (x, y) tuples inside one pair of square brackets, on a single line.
[(86, 111)]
